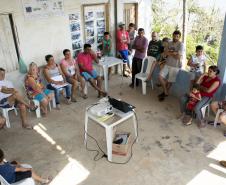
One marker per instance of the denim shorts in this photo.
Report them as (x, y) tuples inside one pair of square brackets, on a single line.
[(41, 96), (87, 75), (124, 55)]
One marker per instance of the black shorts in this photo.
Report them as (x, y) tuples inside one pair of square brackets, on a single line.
[(22, 175)]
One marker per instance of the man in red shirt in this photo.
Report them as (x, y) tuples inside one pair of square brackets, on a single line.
[(122, 45), (85, 61)]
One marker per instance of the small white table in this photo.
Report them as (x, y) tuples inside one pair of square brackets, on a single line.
[(107, 63), (109, 127)]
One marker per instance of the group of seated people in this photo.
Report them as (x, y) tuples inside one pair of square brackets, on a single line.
[(68, 76)]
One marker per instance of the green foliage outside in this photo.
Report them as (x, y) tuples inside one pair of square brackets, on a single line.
[(204, 26)]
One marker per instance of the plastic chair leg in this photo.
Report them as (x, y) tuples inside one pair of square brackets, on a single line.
[(152, 85), (5, 114), (217, 117), (144, 86), (38, 111)]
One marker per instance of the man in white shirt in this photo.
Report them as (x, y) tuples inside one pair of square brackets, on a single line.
[(10, 97), (169, 72)]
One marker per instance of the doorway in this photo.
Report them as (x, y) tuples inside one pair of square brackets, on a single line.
[(130, 13)]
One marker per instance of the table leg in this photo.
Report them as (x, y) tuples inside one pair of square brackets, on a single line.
[(109, 143), (135, 126), (86, 128), (122, 71), (105, 67)]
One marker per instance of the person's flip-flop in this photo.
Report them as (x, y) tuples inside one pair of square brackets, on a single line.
[(212, 123), (33, 108), (47, 181), (28, 127), (84, 96)]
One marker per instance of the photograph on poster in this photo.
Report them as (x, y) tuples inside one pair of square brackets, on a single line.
[(76, 45), (75, 27), (74, 17), (75, 36), (89, 32), (101, 23), (28, 9), (100, 39), (89, 16), (90, 40), (100, 31), (76, 52), (89, 24), (99, 15)]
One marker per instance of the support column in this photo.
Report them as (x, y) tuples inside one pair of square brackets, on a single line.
[(222, 65)]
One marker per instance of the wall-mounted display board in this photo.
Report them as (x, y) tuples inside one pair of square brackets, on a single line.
[(75, 29), (94, 24), (42, 8)]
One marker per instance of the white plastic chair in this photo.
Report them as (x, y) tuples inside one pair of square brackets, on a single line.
[(217, 116), (144, 74), (38, 110), (28, 181), (5, 113), (204, 109)]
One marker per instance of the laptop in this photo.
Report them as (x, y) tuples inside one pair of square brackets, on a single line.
[(121, 105)]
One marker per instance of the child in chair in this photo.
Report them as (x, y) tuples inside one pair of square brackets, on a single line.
[(194, 98)]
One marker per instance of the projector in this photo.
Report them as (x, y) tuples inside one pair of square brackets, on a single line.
[(101, 109)]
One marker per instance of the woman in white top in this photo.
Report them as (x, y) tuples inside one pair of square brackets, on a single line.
[(51, 72)]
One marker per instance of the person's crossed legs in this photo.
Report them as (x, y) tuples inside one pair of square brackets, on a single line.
[(95, 81), (17, 99)]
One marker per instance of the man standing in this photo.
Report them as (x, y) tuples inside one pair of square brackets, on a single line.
[(140, 45), (174, 54), (122, 46), (85, 60), (10, 97), (154, 50)]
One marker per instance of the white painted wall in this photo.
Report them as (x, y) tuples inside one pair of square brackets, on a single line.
[(41, 36)]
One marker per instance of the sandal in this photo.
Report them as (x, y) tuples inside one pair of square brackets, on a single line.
[(28, 127), (33, 108), (47, 181), (84, 96), (212, 123), (223, 163), (202, 124)]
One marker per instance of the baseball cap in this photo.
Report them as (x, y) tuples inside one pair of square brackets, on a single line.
[(121, 24)]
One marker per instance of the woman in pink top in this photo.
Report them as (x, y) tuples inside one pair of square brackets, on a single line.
[(71, 71)]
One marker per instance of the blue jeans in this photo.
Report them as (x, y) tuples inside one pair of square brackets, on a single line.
[(57, 92)]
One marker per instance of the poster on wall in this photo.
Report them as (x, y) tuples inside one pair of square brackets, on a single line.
[(94, 21), (75, 29), (42, 8)]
